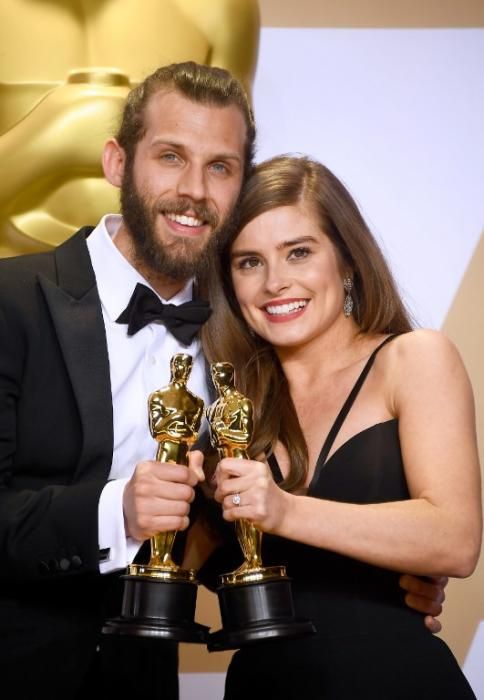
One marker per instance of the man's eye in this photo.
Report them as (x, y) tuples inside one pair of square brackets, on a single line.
[(169, 157), (219, 167)]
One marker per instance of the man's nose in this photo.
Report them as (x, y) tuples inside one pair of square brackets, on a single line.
[(192, 183)]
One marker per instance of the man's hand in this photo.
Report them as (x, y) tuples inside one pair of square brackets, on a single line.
[(157, 498), (195, 463), (425, 594)]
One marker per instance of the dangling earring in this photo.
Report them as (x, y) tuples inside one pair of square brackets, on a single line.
[(348, 303), (251, 331)]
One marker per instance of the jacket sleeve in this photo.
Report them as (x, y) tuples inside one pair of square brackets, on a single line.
[(48, 522)]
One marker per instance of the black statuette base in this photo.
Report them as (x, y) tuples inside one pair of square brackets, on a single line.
[(164, 609), (254, 612)]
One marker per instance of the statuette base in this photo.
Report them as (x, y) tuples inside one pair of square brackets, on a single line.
[(158, 607), (256, 611)]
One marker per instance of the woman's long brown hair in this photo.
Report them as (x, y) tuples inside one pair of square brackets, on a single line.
[(283, 181)]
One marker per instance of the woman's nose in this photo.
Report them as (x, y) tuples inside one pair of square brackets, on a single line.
[(276, 280)]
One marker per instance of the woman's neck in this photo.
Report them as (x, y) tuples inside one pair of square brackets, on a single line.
[(323, 356)]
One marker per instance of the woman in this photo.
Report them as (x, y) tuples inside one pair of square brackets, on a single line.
[(370, 425)]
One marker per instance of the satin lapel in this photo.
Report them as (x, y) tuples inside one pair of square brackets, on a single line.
[(76, 313)]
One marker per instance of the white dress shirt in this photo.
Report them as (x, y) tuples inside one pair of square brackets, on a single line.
[(139, 365)]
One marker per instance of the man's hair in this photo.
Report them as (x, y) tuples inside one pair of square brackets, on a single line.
[(199, 83)]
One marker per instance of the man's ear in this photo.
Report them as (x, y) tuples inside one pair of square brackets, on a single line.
[(114, 161)]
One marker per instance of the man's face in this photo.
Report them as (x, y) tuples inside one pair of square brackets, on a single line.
[(184, 181)]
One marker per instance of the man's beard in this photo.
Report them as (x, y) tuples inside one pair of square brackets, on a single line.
[(189, 258)]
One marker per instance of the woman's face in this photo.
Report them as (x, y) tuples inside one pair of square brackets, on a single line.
[(287, 277)]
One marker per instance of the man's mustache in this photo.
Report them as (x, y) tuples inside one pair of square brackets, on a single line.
[(179, 207)]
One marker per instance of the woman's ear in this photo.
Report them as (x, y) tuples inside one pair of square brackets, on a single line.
[(114, 162)]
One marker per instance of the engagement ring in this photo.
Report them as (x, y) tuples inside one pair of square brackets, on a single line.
[(236, 499)]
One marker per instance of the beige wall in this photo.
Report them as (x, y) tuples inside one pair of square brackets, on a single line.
[(372, 13), (465, 325)]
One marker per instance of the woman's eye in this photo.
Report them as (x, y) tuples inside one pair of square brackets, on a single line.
[(298, 253), (247, 263)]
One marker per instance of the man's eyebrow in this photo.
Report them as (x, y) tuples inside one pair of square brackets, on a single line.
[(166, 142), (228, 156)]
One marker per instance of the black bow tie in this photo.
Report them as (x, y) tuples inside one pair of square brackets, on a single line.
[(183, 321)]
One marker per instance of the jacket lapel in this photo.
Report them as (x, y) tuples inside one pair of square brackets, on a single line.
[(76, 313)]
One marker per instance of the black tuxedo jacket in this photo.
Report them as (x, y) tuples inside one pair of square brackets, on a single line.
[(56, 443), (56, 427)]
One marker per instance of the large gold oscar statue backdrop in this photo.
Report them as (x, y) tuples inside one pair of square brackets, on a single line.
[(66, 67)]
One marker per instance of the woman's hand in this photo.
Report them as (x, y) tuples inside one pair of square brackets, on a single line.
[(246, 490)]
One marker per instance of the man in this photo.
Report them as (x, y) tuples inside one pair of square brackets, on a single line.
[(74, 384), (79, 490)]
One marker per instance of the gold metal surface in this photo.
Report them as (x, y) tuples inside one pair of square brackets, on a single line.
[(65, 70), (231, 425), (160, 572), (175, 414), (261, 573)]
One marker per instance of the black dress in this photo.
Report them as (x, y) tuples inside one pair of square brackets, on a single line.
[(369, 644)]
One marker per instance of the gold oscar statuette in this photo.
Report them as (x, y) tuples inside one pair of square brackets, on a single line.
[(255, 601), (159, 597)]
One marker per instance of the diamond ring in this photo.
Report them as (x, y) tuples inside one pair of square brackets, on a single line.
[(236, 499)]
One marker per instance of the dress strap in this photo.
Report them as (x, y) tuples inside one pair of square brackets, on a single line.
[(275, 468), (328, 443)]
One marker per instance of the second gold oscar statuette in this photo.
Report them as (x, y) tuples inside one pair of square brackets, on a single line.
[(255, 601)]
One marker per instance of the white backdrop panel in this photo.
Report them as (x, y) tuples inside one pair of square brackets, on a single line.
[(398, 115)]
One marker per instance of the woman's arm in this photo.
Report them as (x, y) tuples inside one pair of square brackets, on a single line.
[(436, 532)]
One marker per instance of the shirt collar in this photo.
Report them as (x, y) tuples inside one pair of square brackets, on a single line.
[(116, 278)]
